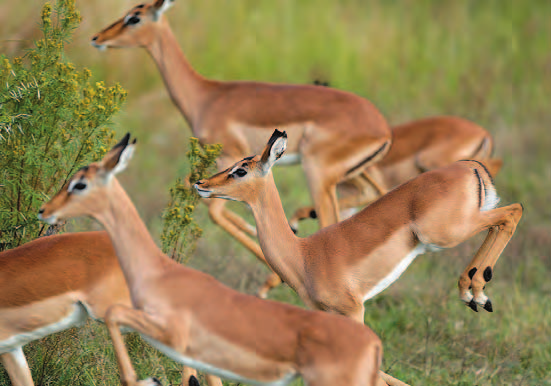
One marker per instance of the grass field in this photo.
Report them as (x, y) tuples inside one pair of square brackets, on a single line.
[(487, 61)]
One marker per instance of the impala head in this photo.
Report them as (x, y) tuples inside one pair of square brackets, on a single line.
[(135, 29), (240, 181), (86, 191)]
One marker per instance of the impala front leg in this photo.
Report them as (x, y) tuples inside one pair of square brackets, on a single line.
[(217, 213), (17, 367), (118, 316)]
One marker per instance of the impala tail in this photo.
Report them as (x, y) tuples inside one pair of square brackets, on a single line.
[(487, 193)]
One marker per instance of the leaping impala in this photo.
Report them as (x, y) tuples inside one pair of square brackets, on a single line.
[(198, 321), (338, 268), (334, 134), (417, 146)]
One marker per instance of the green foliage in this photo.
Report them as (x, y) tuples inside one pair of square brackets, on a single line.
[(52, 121), (180, 231)]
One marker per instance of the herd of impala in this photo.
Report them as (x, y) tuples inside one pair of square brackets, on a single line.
[(439, 169)]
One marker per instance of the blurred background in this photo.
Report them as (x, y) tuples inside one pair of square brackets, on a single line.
[(486, 61)]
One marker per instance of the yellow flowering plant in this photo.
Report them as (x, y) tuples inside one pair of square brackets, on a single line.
[(53, 120), (180, 231)]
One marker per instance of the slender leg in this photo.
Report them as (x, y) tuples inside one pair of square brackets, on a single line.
[(119, 315), (187, 372), (353, 193), (323, 193), (502, 223), (239, 222), (465, 279), (271, 282), (504, 231), (217, 211), (17, 367)]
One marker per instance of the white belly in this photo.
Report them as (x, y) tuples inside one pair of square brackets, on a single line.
[(76, 317), (396, 271), (207, 368)]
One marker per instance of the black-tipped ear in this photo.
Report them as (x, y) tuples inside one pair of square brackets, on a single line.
[(117, 158), (274, 150), (123, 142), (273, 139), (275, 135)]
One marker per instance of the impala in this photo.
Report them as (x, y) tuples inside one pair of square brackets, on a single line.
[(54, 283), (198, 321), (51, 284), (332, 133), (417, 146), (338, 268)]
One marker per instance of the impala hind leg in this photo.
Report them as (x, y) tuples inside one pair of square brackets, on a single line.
[(502, 223), (17, 367)]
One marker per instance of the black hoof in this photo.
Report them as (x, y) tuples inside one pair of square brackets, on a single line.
[(193, 381), (473, 306), (487, 274), (488, 306), (156, 381)]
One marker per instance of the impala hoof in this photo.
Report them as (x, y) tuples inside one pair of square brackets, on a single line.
[(156, 382), (193, 381), (488, 306), (473, 306)]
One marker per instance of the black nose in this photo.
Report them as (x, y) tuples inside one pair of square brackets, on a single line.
[(41, 211), (94, 38), (199, 182)]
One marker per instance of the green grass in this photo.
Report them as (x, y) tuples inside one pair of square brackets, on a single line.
[(487, 61)]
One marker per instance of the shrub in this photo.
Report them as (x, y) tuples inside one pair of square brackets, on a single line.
[(180, 231), (53, 120)]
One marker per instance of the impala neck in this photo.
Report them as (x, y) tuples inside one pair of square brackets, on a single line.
[(279, 244), (137, 253), (186, 87)]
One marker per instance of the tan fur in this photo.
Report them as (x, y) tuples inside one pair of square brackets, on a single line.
[(192, 314), (336, 268), (417, 147), (333, 131), (41, 281)]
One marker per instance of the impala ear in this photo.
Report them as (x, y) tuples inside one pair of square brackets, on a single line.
[(116, 160), (274, 150), (159, 7)]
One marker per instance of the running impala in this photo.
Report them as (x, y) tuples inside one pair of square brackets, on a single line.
[(338, 268), (417, 146), (332, 133), (198, 321)]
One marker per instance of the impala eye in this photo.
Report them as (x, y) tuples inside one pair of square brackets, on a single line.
[(240, 173), (132, 20), (79, 186)]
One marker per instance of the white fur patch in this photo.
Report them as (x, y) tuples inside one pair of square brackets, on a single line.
[(207, 368), (491, 199), (289, 159), (396, 272), (124, 159), (77, 317), (19, 356)]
